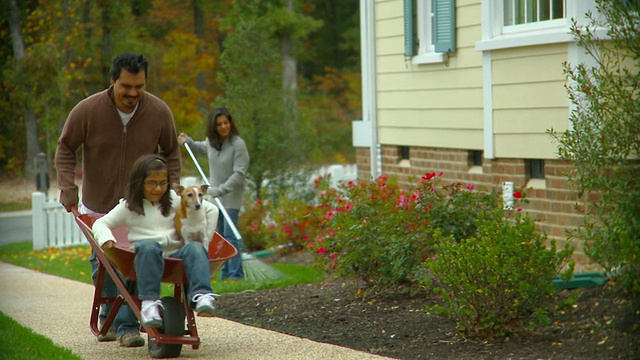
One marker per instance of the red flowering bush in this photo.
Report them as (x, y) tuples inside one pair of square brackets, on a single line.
[(381, 233), (290, 215), (373, 231), (256, 226)]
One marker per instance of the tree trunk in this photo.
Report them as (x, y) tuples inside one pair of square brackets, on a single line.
[(106, 38), (289, 71), (198, 21), (30, 122)]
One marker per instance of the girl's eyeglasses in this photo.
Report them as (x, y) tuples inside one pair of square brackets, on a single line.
[(153, 184)]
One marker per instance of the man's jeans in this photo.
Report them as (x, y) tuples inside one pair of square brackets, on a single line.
[(126, 320), (232, 269), (149, 265)]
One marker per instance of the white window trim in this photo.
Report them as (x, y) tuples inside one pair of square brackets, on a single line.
[(426, 54), (495, 36)]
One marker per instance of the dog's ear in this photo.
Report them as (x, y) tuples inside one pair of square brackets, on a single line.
[(204, 188), (178, 188)]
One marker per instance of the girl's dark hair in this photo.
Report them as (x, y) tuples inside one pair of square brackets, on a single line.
[(214, 138), (134, 194)]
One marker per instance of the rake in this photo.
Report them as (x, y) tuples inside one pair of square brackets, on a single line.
[(255, 270)]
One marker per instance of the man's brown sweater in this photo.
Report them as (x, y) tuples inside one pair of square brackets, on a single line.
[(110, 148)]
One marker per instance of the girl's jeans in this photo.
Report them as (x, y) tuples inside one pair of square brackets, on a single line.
[(232, 268), (149, 265)]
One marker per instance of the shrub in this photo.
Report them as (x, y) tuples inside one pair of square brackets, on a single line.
[(499, 280), (255, 225), (602, 141), (286, 216), (372, 233), (381, 234)]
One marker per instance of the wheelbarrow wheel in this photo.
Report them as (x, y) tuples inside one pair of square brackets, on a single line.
[(173, 324)]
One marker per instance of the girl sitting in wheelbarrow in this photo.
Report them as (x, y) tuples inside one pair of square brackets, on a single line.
[(148, 211)]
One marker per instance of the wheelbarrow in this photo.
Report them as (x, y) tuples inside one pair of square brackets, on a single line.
[(165, 341)]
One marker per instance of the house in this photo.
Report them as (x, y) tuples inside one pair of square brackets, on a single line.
[(470, 88)]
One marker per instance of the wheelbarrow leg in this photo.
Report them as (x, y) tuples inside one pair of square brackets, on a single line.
[(98, 301)]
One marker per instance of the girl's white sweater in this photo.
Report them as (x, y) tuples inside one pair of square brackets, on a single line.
[(152, 225)]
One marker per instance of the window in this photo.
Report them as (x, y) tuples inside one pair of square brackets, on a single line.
[(429, 30), (404, 160), (475, 158), (517, 23), (404, 152), (536, 169), (518, 12)]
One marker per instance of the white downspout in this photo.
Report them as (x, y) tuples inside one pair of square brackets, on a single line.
[(368, 69)]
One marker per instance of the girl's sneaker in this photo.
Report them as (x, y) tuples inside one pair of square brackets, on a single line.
[(150, 313), (205, 304)]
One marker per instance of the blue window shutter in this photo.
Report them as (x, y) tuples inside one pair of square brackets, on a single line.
[(409, 49), (445, 27)]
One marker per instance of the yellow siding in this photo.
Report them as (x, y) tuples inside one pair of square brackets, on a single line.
[(451, 99), (459, 139), (526, 146), (437, 105), (453, 79), (431, 118), (528, 99), (530, 121)]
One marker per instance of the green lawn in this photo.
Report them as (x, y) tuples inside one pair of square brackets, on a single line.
[(73, 263), (20, 343)]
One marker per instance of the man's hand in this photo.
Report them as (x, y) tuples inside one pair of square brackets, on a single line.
[(109, 245), (69, 199), (69, 207)]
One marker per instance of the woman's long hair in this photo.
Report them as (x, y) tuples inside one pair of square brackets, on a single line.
[(212, 134), (134, 193)]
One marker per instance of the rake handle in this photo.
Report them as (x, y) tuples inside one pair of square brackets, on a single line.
[(236, 233)]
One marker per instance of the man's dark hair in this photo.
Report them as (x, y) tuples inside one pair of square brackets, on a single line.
[(133, 63)]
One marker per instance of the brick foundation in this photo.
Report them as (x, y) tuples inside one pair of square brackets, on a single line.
[(554, 206)]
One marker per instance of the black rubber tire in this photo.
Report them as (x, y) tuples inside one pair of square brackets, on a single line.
[(173, 324)]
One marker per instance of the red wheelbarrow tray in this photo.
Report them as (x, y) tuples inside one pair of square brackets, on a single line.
[(121, 258)]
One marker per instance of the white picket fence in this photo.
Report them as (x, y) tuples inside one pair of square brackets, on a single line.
[(53, 226)]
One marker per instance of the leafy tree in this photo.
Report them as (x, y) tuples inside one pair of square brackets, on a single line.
[(250, 75), (603, 143), (76, 40)]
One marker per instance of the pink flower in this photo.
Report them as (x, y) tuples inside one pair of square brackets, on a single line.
[(519, 209), (321, 251), (470, 187)]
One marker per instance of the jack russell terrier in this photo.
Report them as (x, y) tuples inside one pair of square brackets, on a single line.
[(191, 221)]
